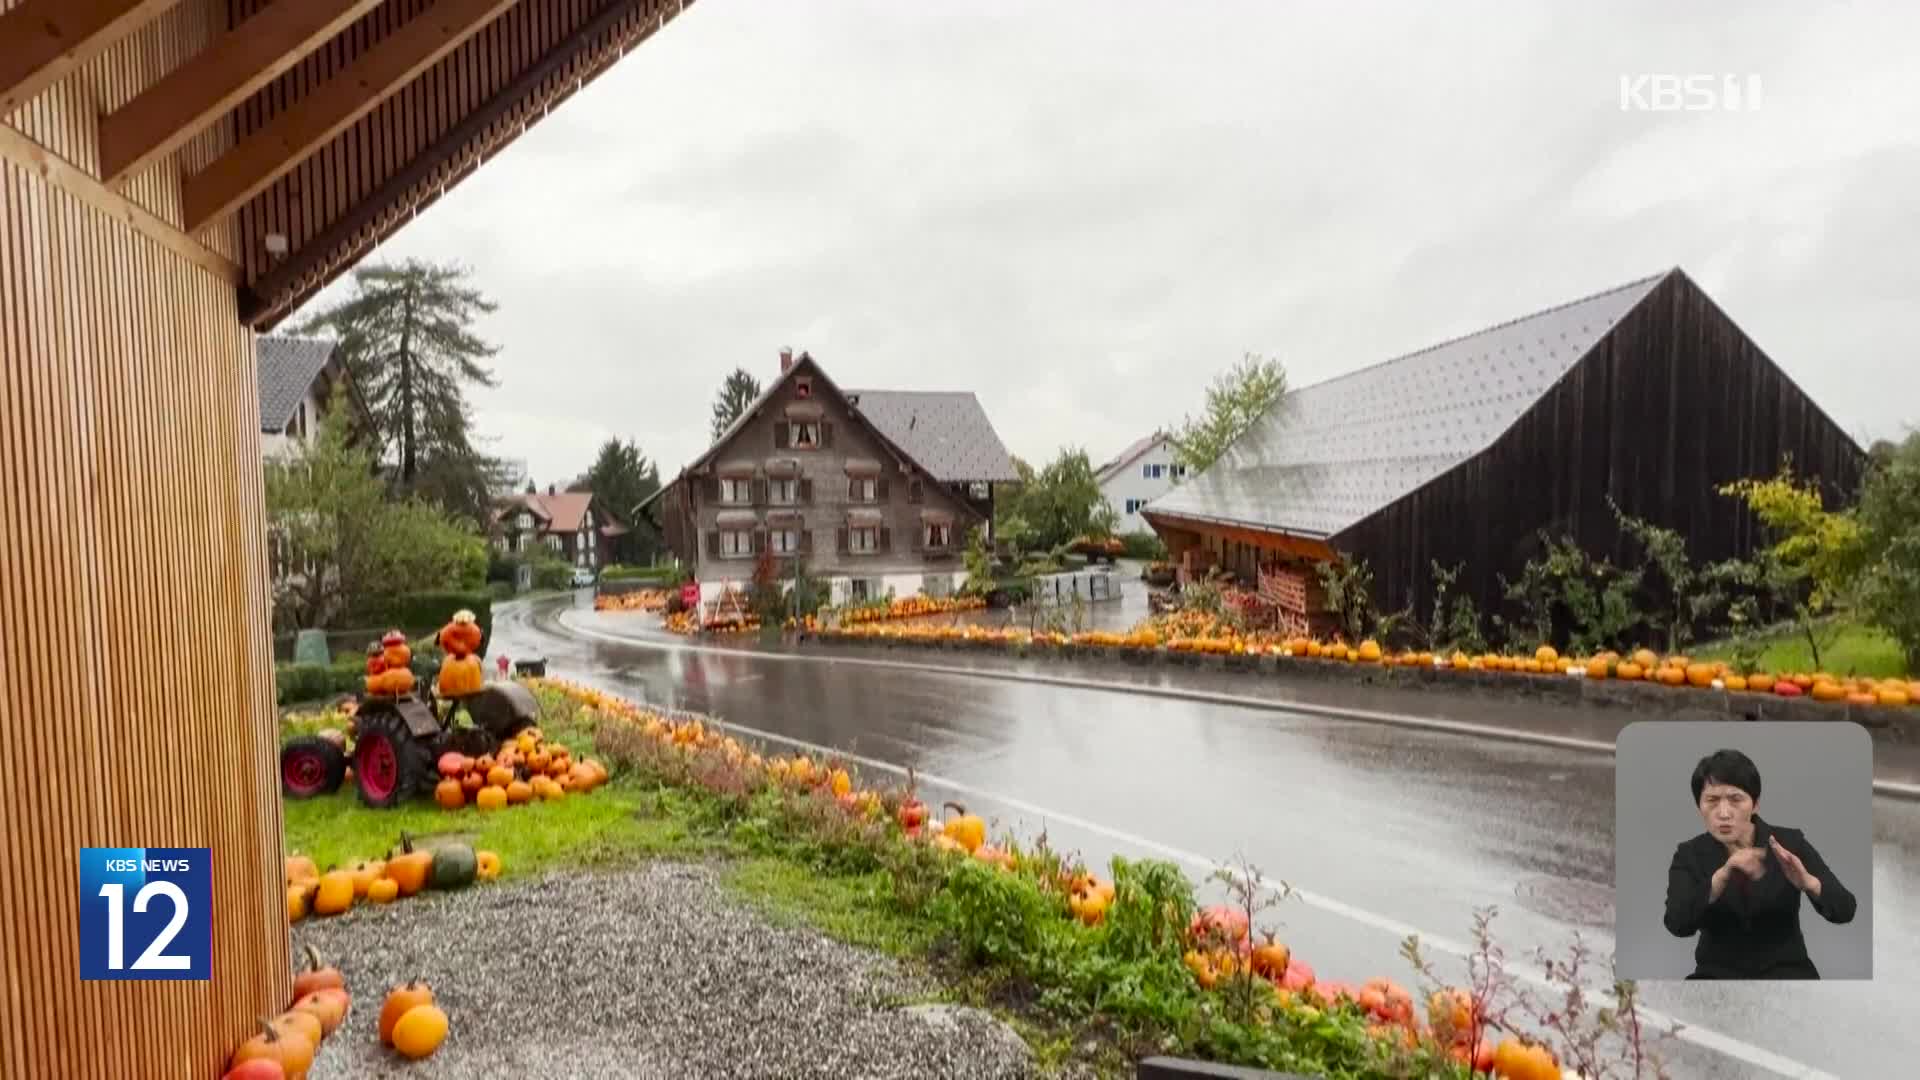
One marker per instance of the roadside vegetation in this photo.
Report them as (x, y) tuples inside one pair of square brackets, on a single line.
[(1103, 962)]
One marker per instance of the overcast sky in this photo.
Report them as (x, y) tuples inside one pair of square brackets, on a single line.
[(1082, 210)]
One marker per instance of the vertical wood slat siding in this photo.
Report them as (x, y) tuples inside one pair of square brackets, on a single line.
[(135, 674), (1673, 402), (65, 117)]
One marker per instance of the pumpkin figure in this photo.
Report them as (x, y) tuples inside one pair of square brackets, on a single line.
[(460, 675), (395, 650)]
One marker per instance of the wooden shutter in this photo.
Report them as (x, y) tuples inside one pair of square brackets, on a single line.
[(759, 541), (843, 539), (806, 541), (880, 489), (826, 435), (886, 539), (920, 538), (806, 489), (853, 488), (780, 436), (713, 489), (914, 491), (713, 543), (759, 491)]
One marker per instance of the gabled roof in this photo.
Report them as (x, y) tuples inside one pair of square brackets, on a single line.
[(808, 364), (1325, 457), (564, 512), (946, 431), (286, 368), (1128, 456)]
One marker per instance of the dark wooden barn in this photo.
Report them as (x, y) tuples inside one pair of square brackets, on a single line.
[(1465, 451)]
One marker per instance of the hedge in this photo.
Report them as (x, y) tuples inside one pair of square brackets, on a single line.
[(417, 614), (296, 683), (662, 575)]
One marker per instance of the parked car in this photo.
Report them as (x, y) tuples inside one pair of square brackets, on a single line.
[(582, 577)]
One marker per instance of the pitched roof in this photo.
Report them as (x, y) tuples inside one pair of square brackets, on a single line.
[(286, 368), (562, 512), (1327, 456), (1129, 455), (946, 431)]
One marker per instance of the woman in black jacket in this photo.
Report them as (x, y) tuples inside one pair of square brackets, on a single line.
[(1738, 885)]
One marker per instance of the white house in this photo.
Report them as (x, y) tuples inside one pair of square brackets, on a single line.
[(296, 379), (1140, 474)]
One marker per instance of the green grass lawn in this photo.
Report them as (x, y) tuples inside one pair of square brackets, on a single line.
[(1846, 649)]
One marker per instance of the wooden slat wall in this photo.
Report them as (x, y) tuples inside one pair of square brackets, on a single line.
[(135, 675), (415, 124), (66, 117), (1674, 401)]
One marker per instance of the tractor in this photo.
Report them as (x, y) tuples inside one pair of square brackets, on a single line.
[(398, 740)]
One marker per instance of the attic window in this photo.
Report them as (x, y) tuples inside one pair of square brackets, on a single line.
[(803, 386)]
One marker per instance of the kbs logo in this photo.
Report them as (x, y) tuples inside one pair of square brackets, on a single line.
[(1689, 93), (146, 913)]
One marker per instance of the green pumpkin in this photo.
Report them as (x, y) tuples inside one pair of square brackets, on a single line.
[(453, 866)]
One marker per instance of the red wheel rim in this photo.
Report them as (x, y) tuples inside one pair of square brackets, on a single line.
[(304, 772), (376, 767)]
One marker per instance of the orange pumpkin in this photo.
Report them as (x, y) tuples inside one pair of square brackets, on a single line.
[(519, 791), (499, 776), (491, 798), (280, 1045), (1826, 690), (420, 1031), (383, 891), (449, 794), (330, 1006), (304, 1021), (398, 1001), (317, 976), (1701, 675), (1761, 682), (1628, 671), (335, 893), (409, 868)]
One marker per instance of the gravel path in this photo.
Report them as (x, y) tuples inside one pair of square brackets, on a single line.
[(653, 972)]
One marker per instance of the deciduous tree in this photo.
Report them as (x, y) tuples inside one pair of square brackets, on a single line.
[(1237, 398), (1890, 526)]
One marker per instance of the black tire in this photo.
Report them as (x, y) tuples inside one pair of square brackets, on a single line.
[(310, 766), (390, 766)]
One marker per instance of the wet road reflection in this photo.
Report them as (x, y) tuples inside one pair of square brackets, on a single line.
[(1415, 829)]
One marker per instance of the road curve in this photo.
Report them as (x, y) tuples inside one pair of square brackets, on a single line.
[(1387, 830)]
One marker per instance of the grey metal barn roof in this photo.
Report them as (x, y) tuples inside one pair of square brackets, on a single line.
[(286, 368), (947, 432), (1327, 456)]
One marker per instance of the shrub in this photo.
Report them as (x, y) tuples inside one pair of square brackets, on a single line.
[(663, 576), (295, 683), (421, 614), (1890, 525), (1145, 546)]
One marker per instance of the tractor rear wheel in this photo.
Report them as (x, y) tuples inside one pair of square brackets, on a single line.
[(390, 766), (310, 766)]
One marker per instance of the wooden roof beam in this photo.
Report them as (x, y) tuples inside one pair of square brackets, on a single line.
[(309, 123), (217, 80), (41, 41)]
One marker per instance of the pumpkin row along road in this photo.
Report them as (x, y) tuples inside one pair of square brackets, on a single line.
[(1386, 829)]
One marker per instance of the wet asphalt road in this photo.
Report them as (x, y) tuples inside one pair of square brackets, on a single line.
[(1388, 830)]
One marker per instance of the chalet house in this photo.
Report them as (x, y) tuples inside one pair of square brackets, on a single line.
[(297, 378), (1140, 474), (875, 491), (566, 522), (1647, 395)]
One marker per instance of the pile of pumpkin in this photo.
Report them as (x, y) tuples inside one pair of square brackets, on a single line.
[(1194, 632), (406, 871), (637, 600), (524, 768), (688, 622), (410, 1022), (908, 607)]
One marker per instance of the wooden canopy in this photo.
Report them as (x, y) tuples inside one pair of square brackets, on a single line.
[(278, 142), (175, 174)]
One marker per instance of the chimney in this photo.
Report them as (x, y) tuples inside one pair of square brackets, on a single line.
[(786, 360)]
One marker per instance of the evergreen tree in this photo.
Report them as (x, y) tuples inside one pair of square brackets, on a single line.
[(739, 391)]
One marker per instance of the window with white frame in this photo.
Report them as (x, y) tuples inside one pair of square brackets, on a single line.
[(785, 541), (1179, 472), (783, 491), (1153, 472), (803, 434), (863, 539), (1134, 505), (860, 589), (735, 543), (526, 521), (937, 585), (736, 490), (553, 542), (939, 535), (863, 489)]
